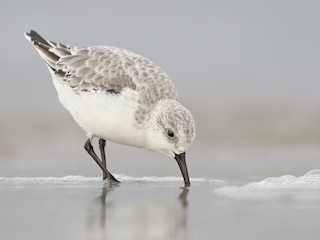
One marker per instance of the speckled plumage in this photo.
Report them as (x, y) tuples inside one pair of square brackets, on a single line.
[(117, 95), (111, 69)]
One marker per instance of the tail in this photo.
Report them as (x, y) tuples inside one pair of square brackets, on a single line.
[(35, 38), (50, 51)]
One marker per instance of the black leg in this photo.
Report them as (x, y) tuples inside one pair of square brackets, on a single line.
[(102, 145), (89, 149)]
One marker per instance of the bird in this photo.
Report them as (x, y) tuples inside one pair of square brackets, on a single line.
[(119, 96)]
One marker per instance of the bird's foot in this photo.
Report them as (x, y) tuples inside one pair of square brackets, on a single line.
[(111, 179)]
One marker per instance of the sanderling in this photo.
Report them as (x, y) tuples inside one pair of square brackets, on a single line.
[(116, 95)]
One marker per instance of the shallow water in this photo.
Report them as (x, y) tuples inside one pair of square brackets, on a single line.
[(240, 190), (76, 207)]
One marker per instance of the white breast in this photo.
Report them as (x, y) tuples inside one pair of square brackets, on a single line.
[(104, 115)]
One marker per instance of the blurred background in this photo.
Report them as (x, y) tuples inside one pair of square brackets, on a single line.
[(248, 71)]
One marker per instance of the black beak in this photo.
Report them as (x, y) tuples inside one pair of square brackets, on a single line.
[(181, 160)]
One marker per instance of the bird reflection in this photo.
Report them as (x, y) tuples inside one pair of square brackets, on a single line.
[(183, 197), (111, 219)]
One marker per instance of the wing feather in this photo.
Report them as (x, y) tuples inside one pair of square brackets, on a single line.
[(107, 69)]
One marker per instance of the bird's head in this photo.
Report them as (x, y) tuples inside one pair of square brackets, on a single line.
[(171, 130)]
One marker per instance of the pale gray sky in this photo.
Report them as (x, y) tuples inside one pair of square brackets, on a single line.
[(216, 52)]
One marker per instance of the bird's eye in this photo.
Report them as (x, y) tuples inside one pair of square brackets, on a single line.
[(170, 133)]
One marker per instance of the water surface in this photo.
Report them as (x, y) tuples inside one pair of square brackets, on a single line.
[(76, 207)]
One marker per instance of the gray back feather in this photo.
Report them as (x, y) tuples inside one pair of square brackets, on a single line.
[(106, 69)]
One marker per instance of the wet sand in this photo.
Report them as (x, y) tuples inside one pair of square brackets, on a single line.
[(228, 198), (157, 208)]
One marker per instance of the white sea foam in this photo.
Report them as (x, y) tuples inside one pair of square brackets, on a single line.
[(306, 186), (78, 180), (309, 180)]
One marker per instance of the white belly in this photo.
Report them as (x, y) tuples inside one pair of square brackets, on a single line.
[(107, 116)]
